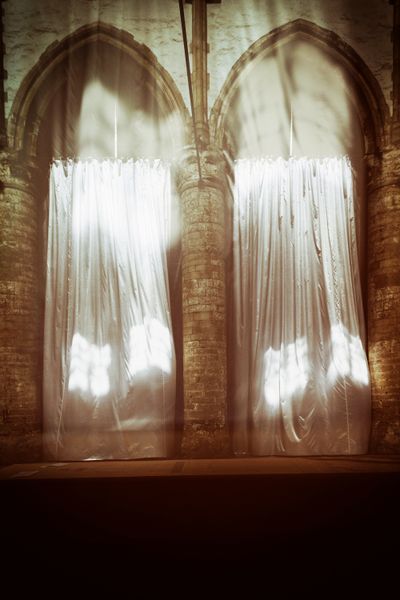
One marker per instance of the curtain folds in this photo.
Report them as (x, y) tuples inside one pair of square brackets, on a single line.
[(109, 359), (300, 375)]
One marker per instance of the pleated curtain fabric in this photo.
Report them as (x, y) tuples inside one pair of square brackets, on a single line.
[(300, 375), (109, 359)]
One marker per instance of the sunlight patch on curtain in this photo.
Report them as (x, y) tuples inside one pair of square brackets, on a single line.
[(109, 359), (300, 376)]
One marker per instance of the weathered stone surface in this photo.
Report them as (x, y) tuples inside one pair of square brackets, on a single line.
[(233, 26), (203, 302), (384, 300), (32, 26), (20, 372), (385, 427), (205, 440)]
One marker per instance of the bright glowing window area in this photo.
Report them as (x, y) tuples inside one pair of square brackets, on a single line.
[(299, 374), (304, 112), (348, 358), (300, 367), (150, 347), (89, 366), (286, 373), (107, 324), (114, 123), (300, 379)]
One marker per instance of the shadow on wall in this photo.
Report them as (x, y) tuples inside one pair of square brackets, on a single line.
[(300, 80), (108, 126), (108, 106), (296, 100)]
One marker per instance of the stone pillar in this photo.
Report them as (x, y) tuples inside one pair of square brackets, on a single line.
[(384, 299), (203, 305), (20, 369)]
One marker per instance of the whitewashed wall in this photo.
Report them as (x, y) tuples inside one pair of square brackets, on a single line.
[(31, 26)]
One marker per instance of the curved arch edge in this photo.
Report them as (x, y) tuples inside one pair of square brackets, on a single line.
[(374, 111), (41, 73)]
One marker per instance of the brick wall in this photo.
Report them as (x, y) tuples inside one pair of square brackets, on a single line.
[(203, 301), (384, 300), (20, 375)]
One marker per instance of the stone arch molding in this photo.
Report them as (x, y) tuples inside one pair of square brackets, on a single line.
[(365, 90), (42, 81)]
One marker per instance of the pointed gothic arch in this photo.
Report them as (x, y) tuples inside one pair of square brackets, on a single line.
[(365, 92), (49, 74), (34, 108), (369, 112)]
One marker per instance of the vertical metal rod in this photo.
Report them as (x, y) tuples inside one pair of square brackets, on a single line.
[(3, 129), (291, 132), (183, 26), (396, 59), (115, 130)]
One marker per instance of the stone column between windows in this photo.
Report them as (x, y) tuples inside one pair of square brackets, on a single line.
[(203, 304), (384, 299), (20, 372)]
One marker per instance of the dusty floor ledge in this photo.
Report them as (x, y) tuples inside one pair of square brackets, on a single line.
[(203, 467)]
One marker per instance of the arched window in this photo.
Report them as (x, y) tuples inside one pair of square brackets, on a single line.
[(299, 380), (102, 106)]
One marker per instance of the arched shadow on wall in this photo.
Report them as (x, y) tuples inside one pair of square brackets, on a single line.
[(364, 91)]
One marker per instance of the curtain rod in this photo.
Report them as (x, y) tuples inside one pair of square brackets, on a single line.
[(185, 44)]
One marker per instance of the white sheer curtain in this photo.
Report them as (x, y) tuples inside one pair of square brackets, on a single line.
[(109, 361), (300, 374)]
